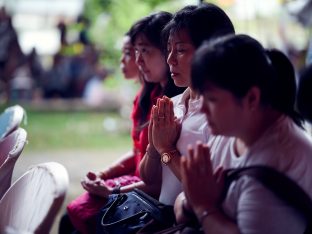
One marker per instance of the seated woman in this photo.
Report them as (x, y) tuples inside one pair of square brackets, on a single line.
[(122, 172), (156, 81), (243, 88), (178, 121)]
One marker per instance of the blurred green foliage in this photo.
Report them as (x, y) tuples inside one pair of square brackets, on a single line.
[(111, 19)]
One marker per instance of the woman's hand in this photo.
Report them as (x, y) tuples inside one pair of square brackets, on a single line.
[(182, 210), (104, 175), (95, 185), (165, 128), (201, 186)]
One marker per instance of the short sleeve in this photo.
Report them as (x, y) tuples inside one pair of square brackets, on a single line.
[(257, 210)]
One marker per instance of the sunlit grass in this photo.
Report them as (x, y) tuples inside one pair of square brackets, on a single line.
[(78, 130)]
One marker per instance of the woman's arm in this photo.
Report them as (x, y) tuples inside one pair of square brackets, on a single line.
[(165, 133), (94, 182), (150, 190), (123, 166), (151, 170), (203, 191), (98, 187), (150, 165), (211, 222)]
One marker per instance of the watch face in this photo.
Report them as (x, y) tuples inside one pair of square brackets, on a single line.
[(165, 158)]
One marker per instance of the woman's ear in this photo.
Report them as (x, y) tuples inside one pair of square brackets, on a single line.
[(252, 98)]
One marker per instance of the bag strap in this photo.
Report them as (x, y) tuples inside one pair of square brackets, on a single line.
[(118, 198), (112, 208), (281, 185), (161, 212)]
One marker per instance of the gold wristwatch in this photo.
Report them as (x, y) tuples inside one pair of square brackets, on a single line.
[(167, 156)]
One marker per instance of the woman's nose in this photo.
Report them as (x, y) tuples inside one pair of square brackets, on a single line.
[(171, 59), (122, 59), (139, 59)]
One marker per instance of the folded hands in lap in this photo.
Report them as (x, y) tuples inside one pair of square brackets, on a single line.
[(95, 185)]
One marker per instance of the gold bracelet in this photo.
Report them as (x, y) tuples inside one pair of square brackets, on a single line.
[(206, 213)]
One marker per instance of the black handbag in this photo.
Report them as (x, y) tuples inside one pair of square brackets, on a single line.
[(130, 212)]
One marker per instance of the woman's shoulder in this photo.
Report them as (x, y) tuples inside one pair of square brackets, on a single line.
[(180, 98), (291, 136)]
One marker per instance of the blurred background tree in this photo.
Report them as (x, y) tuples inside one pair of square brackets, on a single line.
[(113, 18), (38, 22)]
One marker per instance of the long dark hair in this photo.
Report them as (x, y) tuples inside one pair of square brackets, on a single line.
[(237, 63), (151, 27), (304, 95), (201, 22)]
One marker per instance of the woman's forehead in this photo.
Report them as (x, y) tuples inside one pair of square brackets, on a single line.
[(181, 35), (127, 43), (141, 40)]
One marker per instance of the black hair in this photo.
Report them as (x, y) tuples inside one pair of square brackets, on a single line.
[(203, 21), (285, 99), (237, 63), (304, 94), (151, 27), (127, 34)]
